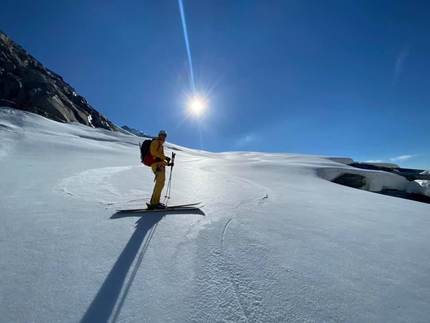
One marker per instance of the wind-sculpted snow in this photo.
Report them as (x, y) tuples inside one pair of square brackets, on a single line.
[(377, 181), (424, 185), (274, 242)]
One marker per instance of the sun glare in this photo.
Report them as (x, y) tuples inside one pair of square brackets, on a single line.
[(197, 106)]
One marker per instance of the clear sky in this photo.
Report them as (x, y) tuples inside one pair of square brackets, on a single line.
[(345, 78)]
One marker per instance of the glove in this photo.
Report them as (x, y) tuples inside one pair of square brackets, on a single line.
[(171, 164), (168, 159)]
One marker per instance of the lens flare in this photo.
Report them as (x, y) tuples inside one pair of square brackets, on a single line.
[(195, 106), (187, 44)]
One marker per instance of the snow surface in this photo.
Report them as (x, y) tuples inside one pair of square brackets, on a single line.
[(90, 120), (423, 188), (274, 242)]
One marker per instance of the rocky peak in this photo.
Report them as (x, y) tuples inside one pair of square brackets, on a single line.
[(135, 131), (27, 85)]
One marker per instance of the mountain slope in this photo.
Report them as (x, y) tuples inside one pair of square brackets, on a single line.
[(27, 85), (273, 243)]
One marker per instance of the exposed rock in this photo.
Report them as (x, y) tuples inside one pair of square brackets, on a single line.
[(32, 87), (341, 160), (394, 182), (6, 64), (351, 180), (372, 167), (409, 174), (413, 176), (7, 103), (135, 132), (406, 195), (12, 86)]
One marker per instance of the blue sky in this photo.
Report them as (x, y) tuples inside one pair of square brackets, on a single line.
[(344, 78)]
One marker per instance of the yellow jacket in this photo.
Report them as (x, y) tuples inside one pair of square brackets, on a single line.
[(157, 151)]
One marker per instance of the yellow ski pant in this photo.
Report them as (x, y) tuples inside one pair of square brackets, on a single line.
[(160, 178)]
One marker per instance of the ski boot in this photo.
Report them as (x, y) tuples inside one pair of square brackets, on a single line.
[(158, 206)]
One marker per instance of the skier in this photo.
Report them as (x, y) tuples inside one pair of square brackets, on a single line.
[(158, 165)]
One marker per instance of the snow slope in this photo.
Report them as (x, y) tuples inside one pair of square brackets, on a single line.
[(274, 242)]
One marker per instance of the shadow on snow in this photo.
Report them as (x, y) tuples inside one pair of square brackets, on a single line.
[(119, 215), (103, 305)]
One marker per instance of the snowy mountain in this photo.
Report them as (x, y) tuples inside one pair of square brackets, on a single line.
[(275, 241), (135, 132), (27, 85)]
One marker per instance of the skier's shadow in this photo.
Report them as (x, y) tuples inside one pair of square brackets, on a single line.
[(103, 305)]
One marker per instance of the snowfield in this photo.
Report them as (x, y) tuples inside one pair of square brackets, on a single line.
[(274, 242)]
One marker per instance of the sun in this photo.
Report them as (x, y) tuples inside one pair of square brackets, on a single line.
[(197, 106)]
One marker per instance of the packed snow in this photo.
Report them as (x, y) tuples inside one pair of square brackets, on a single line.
[(274, 242)]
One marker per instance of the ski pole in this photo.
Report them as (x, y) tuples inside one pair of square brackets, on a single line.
[(169, 184)]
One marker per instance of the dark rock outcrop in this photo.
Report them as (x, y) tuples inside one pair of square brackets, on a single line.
[(374, 180), (409, 174), (373, 167), (136, 132), (405, 195), (351, 180), (32, 87)]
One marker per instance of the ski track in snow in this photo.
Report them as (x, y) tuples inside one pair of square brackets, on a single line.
[(265, 194), (224, 231), (100, 185), (231, 274), (95, 185), (244, 297)]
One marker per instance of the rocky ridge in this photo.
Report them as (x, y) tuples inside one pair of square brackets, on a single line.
[(26, 84)]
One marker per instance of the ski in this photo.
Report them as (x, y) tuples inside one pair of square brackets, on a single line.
[(167, 208), (182, 205)]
